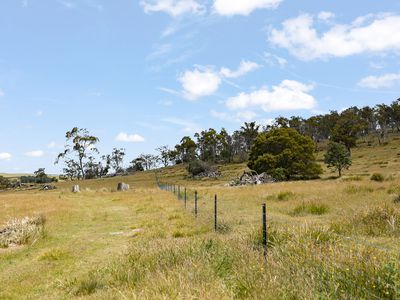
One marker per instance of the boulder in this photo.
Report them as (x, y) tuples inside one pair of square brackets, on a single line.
[(123, 187), (75, 188)]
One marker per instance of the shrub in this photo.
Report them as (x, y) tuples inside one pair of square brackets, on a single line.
[(195, 167), (21, 231), (285, 154), (377, 177)]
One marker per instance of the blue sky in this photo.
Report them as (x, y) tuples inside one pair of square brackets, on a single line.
[(140, 74)]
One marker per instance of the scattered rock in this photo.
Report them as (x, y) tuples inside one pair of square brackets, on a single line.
[(123, 187), (75, 189), (252, 178), (208, 174), (48, 187)]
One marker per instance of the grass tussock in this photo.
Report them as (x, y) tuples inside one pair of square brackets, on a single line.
[(21, 231), (357, 189), (282, 196), (374, 221), (309, 208)]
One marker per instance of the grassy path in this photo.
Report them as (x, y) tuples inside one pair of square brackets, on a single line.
[(83, 232)]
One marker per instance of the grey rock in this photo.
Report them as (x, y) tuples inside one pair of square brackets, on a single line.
[(123, 187)]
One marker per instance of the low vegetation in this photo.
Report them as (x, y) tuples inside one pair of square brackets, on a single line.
[(327, 239)]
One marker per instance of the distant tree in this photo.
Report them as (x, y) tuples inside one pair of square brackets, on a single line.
[(116, 159), (78, 148), (347, 129), (148, 161), (164, 155), (186, 150), (249, 132), (383, 116), (40, 173), (71, 169), (136, 165), (338, 157), (284, 154)]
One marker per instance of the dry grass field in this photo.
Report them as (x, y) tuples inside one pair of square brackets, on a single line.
[(328, 238)]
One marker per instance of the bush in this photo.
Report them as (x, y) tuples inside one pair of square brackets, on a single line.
[(284, 154), (195, 167), (377, 177), (4, 182)]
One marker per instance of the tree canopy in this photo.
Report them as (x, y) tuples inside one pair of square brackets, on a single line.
[(284, 154)]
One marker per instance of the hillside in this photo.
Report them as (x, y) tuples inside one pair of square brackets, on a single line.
[(328, 238)]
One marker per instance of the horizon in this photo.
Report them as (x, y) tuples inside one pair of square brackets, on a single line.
[(141, 74)]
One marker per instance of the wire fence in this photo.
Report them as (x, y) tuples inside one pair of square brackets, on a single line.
[(209, 208)]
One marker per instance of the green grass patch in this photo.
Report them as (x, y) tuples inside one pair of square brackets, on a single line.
[(310, 208)]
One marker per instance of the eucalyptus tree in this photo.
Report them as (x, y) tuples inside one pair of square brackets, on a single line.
[(79, 147)]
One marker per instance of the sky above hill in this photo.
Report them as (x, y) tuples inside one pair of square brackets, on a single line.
[(140, 74)]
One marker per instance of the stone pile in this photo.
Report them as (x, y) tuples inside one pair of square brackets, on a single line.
[(48, 187), (208, 174), (252, 178)]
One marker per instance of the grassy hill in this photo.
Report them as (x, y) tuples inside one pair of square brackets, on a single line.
[(328, 238)]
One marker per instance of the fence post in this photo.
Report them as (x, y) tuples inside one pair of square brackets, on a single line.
[(195, 204), (215, 212), (179, 192), (174, 188), (185, 198), (264, 232)]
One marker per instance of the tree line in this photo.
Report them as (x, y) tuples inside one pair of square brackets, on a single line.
[(82, 159)]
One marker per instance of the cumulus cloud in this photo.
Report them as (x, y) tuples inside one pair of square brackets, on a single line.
[(384, 81), (244, 68), (205, 81), (5, 156), (288, 95), (174, 8), (129, 138), (37, 153), (242, 7), (199, 83), (367, 34)]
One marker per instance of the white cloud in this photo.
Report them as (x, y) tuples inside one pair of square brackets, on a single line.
[(199, 83), (37, 153), (132, 138), (244, 68), (1, 93), (384, 81), (288, 95), (326, 15), (246, 115), (367, 34), (242, 7), (273, 59), (174, 8), (67, 4), (239, 117), (53, 145), (187, 126), (39, 113), (5, 156)]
